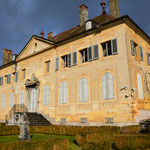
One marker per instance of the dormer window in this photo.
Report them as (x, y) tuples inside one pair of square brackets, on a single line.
[(88, 25)]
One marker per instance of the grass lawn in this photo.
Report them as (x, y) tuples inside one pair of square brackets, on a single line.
[(14, 138)]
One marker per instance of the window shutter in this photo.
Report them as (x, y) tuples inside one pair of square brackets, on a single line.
[(57, 64), (11, 100), (80, 90), (69, 60), (65, 93), (114, 46), (44, 92), (3, 100), (148, 60), (86, 90), (47, 95), (61, 94), (132, 48), (141, 53), (110, 86), (74, 58), (104, 87), (96, 51), (89, 53), (16, 76)]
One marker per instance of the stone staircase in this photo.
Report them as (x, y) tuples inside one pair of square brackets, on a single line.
[(36, 119)]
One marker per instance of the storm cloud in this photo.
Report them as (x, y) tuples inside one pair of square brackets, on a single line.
[(20, 19)]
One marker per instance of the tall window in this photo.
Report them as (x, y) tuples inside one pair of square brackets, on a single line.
[(23, 73), (15, 77), (11, 99), (133, 48), (21, 98), (63, 98), (47, 66), (83, 90), (8, 78), (46, 95), (140, 86), (107, 86), (3, 100), (1, 81)]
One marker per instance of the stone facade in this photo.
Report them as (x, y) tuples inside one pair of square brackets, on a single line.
[(124, 108)]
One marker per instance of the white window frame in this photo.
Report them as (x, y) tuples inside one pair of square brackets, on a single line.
[(63, 93), (12, 100), (46, 95), (83, 90), (3, 100)]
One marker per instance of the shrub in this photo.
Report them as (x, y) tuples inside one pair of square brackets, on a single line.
[(130, 129), (132, 142), (47, 144)]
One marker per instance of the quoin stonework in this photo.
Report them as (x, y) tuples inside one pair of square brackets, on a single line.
[(97, 73)]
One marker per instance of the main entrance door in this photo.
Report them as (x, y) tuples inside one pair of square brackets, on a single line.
[(33, 100)]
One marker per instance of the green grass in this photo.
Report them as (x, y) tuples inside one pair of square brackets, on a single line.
[(14, 138)]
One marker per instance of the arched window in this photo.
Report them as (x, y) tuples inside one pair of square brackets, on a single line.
[(140, 86), (3, 100), (46, 95), (83, 90), (63, 97), (21, 98), (11, 100), (107, 86)]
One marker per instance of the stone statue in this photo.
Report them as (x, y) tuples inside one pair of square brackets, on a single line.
[(23, 121)]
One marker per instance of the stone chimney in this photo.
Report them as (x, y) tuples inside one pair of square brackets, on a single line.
[(114, 8), (7, 56), (50, 35), (83, 11)]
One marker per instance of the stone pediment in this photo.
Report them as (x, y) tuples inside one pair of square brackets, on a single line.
[(33, 82), (34, 45)]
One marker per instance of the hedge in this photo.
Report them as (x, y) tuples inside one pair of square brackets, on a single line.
[(47, 144), (132, 142), (68, 130)]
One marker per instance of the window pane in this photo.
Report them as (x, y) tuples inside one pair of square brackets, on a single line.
[(104, 87), (140, 86), (89, 49), (114, 46), (57, 64), (141, 53), (96, 51), (74, 58)]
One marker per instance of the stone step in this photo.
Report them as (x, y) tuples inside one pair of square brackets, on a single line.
[(36, 119)]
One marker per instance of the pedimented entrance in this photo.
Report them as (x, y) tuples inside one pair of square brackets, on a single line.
[(32, 87)]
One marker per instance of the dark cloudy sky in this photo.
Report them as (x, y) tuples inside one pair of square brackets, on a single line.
[(20, 19)]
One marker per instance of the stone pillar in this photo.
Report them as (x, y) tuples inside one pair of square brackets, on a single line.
[(83, 11), (114, 8), (7, 56)]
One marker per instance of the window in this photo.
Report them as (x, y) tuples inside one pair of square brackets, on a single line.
[(141, 53), (23, 73), (74, 58), (15, 77), (83, 120), (11, 100), (1, 81), (63, 91), (21, 98), (57, 64), (83, 90), (109, 120), (133, 48), (8, 78), (107, 86), (46, 95), (110, 48), (89, 54), (3, 101), (148, 58), (140, 86), (47, 66), (63, 121)]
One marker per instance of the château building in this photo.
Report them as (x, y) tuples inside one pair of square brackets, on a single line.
[(97, 73)]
